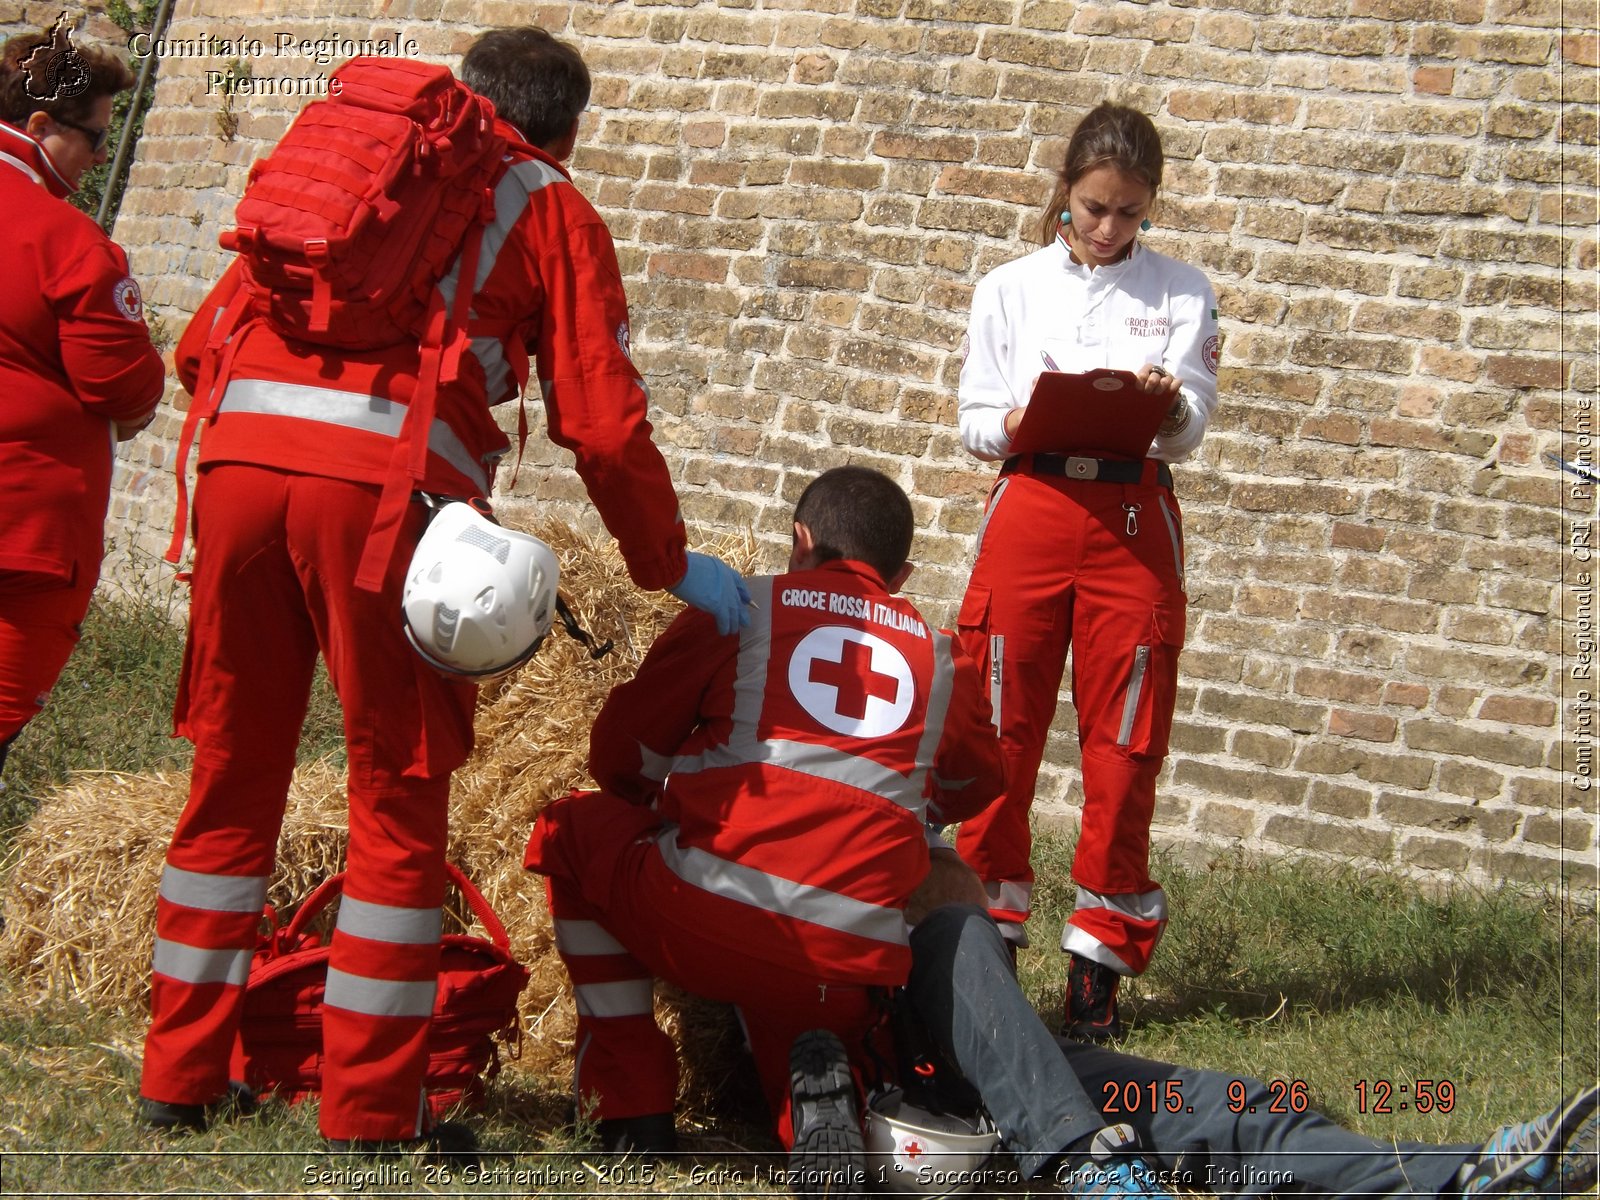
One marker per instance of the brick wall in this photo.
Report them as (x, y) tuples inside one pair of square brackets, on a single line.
[(1392, 609)]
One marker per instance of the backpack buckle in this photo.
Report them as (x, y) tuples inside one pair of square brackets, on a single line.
[(317, 252)]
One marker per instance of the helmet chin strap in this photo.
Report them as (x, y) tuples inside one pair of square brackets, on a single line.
[(577, 632)]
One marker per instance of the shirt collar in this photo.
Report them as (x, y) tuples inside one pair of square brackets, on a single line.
[(1068, 263), (20, 152)]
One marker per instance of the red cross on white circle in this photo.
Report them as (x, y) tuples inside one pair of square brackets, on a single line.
[(852, 682)]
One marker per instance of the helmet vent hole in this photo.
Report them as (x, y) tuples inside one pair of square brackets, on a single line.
[(445, 621)]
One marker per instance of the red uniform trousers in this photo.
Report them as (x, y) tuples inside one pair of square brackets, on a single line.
[(275, 559), (611, 900), (39, 622), (1096, 566)]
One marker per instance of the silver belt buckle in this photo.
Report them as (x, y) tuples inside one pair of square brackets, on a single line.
[(1083, 468)]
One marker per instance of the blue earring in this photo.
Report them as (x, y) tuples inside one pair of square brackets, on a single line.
[(1066, 218), (1145, 224)]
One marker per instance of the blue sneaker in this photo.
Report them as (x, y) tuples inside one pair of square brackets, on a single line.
[(1551, 1155), (1115, 1170)]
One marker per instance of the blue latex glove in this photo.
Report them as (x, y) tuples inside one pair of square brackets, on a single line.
[(712, 586)]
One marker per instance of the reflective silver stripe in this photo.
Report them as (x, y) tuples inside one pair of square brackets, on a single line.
[(196, 964), (383, 923), (755, 652), (1140, 906), (818, 761), (652, 765), (21, 166), (939, 689), (1147, 908), (997, 674), (579, 939), (624, 998), (1076, 941), (1010, 897), (213, 893), (994, 503), (380, 997), (746, 885), (1177, 541), (491, 357), (349, 410), (511, 198), (1130, 703)]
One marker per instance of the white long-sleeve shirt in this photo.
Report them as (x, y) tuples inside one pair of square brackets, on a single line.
[(1148, 308)]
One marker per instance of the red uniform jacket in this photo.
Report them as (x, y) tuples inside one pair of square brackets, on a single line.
[(75, 359), (548, 285), (798, 763)]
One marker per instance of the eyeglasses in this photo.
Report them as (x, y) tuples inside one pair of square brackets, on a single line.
[(97, 137)]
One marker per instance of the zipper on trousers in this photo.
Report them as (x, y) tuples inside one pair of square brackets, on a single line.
[(1177, 543), (997, 661), (1130, 705)]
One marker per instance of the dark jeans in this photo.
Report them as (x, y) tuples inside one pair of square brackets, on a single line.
[(1045, 1094)]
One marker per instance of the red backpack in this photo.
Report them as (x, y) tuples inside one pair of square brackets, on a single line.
[(345, 231), (279, 1044), (347, 228)]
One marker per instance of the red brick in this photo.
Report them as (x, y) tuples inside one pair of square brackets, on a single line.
[(1370, 727), (1438, 81), (1519, 710), (1412, 695), (1518, 372)]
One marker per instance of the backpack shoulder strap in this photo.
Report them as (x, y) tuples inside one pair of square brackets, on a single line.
[(443, 341), (216, 362)]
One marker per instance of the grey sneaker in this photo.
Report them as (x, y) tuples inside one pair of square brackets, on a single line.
[(1115, 1170), (1551, 1155), (829, 1158)]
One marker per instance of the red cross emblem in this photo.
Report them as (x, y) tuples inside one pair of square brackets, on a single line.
[(852, 682), (853, 677)]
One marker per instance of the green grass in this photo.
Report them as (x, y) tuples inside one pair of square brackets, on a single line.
[(1299, 973), (1502, 1007), (112, 707), (1305, 971)]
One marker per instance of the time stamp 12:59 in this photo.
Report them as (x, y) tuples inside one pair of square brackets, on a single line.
[(1377, 1096)]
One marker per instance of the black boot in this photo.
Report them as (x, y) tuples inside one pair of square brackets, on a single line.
[(1091, 1002)]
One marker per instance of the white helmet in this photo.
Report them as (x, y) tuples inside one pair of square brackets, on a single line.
[(921, 1153), (479, 598)]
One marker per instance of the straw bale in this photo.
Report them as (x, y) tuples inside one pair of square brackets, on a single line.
[(79, 907), (79, 902), (533, 743)]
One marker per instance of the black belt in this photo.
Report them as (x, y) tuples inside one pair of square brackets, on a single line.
[(1102, 470)]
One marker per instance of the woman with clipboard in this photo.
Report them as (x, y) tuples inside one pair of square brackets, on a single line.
[(1081, 543)]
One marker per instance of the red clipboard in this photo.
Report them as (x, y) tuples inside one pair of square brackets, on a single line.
[(1102, 413)]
